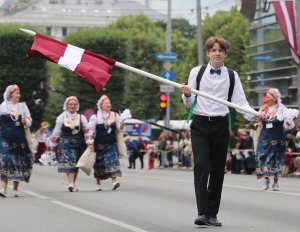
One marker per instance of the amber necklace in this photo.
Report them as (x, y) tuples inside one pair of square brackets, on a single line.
[(13, 114), (272, 112)]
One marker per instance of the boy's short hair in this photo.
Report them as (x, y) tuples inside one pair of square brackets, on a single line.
[(216, 39)]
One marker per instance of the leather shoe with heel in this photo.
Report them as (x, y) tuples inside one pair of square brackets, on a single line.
[(201, 220), (213, 222)]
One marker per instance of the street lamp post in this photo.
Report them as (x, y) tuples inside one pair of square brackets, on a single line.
[(297, 7), (199, 33), (168, 50)]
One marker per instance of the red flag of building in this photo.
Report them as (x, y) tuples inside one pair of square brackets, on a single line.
[(284, 11), (93, 68)]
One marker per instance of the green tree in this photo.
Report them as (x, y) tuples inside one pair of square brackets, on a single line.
[(187, 30), (109, 43), (145, 39), (17, 69)]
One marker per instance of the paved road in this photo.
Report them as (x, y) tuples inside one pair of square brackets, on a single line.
[(160, 200)]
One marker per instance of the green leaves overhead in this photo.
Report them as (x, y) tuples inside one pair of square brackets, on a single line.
[(17, 69)]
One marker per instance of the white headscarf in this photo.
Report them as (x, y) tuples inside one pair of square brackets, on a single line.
[(283, 112), (275, 95), (8, 91), (101, 101), (68, 99)]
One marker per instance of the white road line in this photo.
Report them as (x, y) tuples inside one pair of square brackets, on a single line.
[(79, 210), (36, 195), (98, 216), (258, 189)]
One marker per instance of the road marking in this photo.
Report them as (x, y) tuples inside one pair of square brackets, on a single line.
[(258, 189), (35, 194), (98, 216), (89, 213)]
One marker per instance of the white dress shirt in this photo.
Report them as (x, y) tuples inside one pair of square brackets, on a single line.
[(217, 86)]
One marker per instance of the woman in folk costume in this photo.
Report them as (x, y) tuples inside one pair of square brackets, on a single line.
[(15, 155), (68, 135), (103, 127), (271, 143)]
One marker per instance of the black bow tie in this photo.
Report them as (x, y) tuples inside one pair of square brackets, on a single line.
[(217, 71)]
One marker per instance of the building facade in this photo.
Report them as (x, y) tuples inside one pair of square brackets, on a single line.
[(271, 62), (61, 17)]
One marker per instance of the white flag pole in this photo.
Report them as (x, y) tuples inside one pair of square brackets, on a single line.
[(29, 32), (168, 82)]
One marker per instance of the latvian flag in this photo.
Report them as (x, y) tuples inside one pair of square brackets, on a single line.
[(284, 11), (93, 68)]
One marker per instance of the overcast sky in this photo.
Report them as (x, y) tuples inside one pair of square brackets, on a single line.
[(187, 8)]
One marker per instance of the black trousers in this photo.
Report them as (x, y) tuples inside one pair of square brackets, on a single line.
[(209, 142)]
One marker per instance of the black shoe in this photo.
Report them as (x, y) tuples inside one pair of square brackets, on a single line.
[(117, 185), (213, 222), (201, 220)]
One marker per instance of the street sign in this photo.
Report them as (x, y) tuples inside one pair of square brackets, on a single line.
[(167, 65), (263, 57), (166, 88), (88, 113), (166, 56), (169, 75)]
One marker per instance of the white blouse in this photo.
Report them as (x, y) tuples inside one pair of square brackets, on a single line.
[(8, 107), (60, 121), (98, 119)]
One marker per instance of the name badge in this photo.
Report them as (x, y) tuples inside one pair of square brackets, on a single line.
[(269, 125), (109, 130)]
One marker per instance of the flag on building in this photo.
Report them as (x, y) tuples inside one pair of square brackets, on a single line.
[(93, 68), (284, 11)]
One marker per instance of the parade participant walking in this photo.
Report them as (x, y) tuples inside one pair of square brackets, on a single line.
[(151, 151), (209, 129), (41, 137), (68, 136), (103, 127), (15, 155), (142, 147), (271, 146)]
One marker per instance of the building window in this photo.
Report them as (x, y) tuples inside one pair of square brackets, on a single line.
[(64, 31), (48, 29)]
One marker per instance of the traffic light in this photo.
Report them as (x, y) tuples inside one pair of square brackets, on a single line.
[(163, 101), (163, 104)]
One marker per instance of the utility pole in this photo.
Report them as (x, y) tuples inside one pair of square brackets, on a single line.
[(199, 33), (168, 50)]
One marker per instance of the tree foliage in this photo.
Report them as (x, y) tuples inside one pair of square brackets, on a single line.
[(145, 39), (17, 69), (106, 42)]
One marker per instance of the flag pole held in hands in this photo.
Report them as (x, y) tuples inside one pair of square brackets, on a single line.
[(172, 83), (168, 82)]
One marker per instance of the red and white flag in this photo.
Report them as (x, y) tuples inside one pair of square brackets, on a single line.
[(93, 68), (284, 11)]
